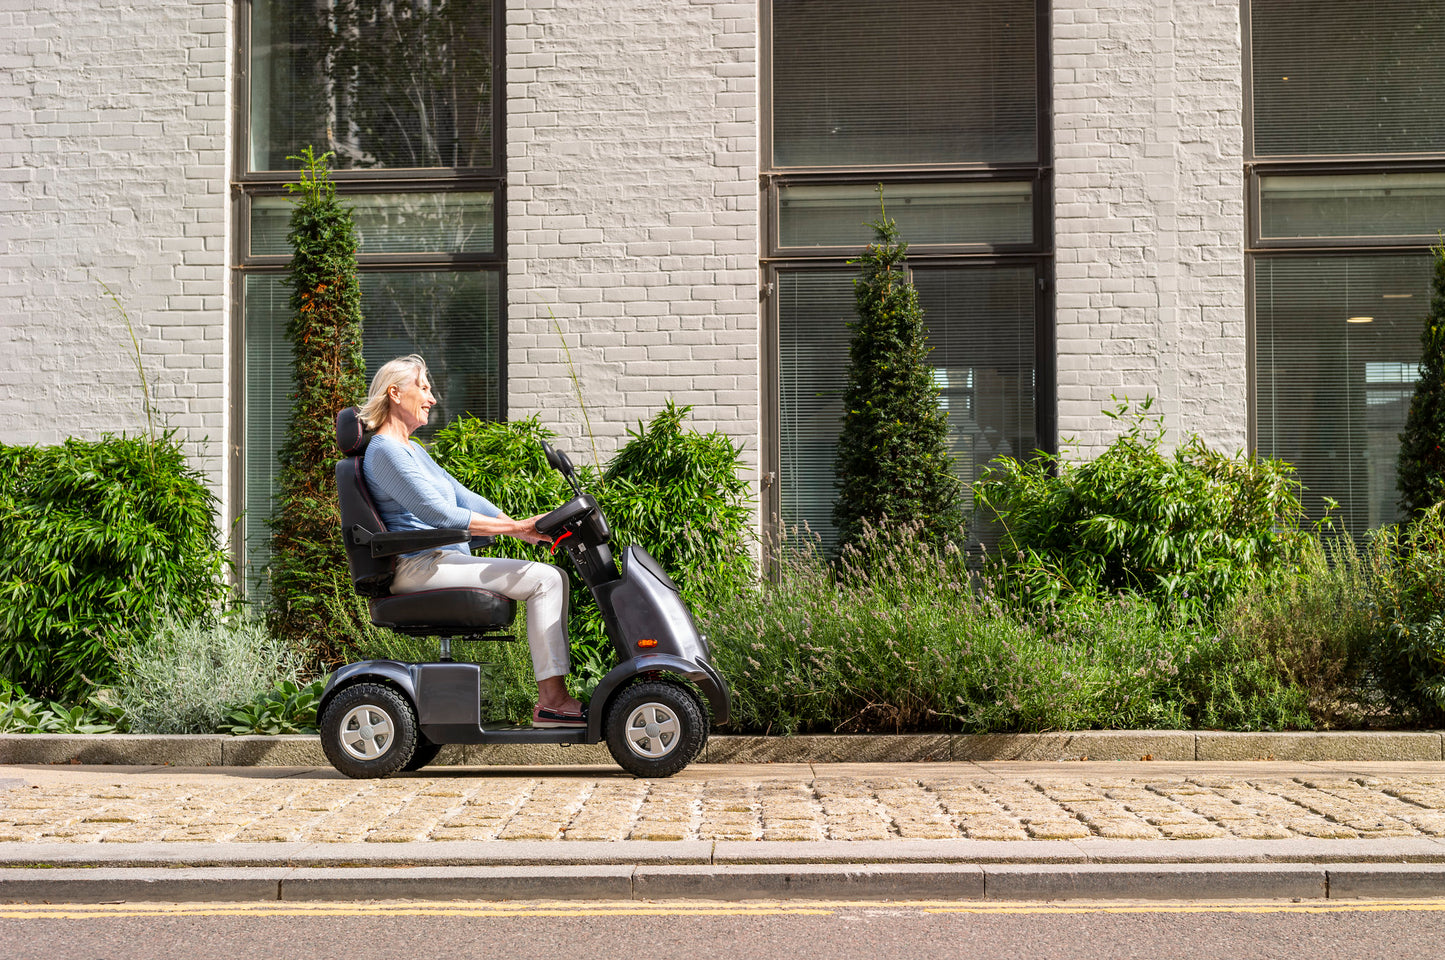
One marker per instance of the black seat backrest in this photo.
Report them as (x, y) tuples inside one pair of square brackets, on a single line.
[(371, 575)]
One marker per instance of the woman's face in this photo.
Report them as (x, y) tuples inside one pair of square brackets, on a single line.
[(412, 402)]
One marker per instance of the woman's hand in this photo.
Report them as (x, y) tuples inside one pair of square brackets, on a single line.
[(504, 526)]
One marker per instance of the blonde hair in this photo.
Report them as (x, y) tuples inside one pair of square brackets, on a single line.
[(393, 373)]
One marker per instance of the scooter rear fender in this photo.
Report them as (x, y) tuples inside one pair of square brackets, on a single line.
[(700, 672), (389, 672)]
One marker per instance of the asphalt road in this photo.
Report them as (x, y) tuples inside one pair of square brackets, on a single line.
[(896, 931)]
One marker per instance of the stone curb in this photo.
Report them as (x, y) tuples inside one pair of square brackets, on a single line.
[(1178, 745), (622, 882)]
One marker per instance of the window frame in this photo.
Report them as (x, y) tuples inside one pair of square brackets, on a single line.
[(1257, 247), (1038, 255), (247, 184)]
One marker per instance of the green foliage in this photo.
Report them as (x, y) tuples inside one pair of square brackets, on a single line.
[(1187, 530), (904, 638), (892, 462), (99, 541), (288, 707), (1407, 663), (1421, 473), (20, 713), (1310, 623), (308, 572), (189, 674), (675, 492)]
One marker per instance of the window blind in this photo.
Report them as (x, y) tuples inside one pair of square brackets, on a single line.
[(980, 324), (431, 222), (875, 82), (450, 318), (1337, 347), (1335, 77)]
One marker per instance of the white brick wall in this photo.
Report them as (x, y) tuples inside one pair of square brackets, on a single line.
[(632, 205), (113, 153), (1149, 198)]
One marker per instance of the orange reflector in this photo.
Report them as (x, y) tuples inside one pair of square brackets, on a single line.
[(649, 642)]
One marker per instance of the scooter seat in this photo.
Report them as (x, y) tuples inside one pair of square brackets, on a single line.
[(437, 611)]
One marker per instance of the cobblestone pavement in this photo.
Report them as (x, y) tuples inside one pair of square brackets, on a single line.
[(915, 802)]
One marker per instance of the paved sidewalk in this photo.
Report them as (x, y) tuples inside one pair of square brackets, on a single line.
[(766, 830)]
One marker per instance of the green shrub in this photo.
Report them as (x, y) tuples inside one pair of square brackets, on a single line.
[(903, 638), (1407, 662), (674, 491), (287, 707), (20, 713), (1309, 622), (99, 541), (1187, 530), (891, 461), (188, 675)]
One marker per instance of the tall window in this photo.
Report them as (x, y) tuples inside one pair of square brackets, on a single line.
[(405, 94), (1347, 192), (941, 101)]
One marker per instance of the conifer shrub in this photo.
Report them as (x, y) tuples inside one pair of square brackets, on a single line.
[(892, 461), (1421, 471), (313, 605)]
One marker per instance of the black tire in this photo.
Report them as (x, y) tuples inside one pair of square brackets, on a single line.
[(369, 730), (425, 753), (655, 728)]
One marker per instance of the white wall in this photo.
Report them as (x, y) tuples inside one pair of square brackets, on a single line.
[(1149, 195), (113, 157), (632, 205)]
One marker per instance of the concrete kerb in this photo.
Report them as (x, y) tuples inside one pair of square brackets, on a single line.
[(621, 882), (1126, 745)]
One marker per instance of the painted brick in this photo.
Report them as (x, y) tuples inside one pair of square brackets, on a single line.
[(116, 144), (1147, 100), (633, 214)]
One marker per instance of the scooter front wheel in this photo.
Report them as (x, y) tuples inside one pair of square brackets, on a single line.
[(368, 730), (654, 729)]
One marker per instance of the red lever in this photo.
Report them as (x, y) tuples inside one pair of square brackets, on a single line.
[(556, 543)]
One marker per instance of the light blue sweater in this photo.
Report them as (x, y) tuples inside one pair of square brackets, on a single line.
[(412, 492)]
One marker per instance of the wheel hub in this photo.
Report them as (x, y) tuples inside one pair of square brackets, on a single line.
[(366, 732), (652, 731)]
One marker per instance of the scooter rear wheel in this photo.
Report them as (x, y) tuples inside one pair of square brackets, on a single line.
[(654, 729), (368, 730)]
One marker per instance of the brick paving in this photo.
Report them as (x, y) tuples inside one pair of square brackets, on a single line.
[(926, 802)]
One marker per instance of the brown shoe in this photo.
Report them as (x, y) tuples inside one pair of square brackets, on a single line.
[(546, 717)]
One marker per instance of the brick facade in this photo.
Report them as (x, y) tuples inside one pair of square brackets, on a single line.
[(1149, 215), (632, 138), (114, 144), (632, 214)]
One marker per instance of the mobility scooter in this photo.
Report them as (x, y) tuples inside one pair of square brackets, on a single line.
[(380, 717)]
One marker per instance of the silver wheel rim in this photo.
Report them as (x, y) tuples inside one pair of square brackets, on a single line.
[(367, 731), (652, 731)]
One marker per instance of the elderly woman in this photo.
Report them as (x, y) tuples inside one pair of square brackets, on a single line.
[(413, 493)]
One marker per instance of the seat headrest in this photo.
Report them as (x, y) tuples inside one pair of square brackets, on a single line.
[(351, 435)]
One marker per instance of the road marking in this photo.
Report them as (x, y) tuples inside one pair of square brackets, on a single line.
[(107, 911), (110, 911)]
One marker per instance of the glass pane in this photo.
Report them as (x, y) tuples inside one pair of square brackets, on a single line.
[(1348, 76), (430, 222), (1337, 340), (1352, 205), (838, 215), (870, 82), (981, 331), (450, 318), (379, 83)]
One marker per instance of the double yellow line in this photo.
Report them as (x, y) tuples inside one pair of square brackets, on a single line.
[(108, 911)]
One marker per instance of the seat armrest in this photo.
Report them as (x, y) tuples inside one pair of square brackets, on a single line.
[(406, 541)]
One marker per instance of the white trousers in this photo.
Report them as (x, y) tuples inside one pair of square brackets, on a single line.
[(542, 586)]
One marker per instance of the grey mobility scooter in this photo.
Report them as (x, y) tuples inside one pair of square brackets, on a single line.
[(379, 717)]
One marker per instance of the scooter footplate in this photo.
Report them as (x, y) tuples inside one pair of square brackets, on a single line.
[(467, 733)]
